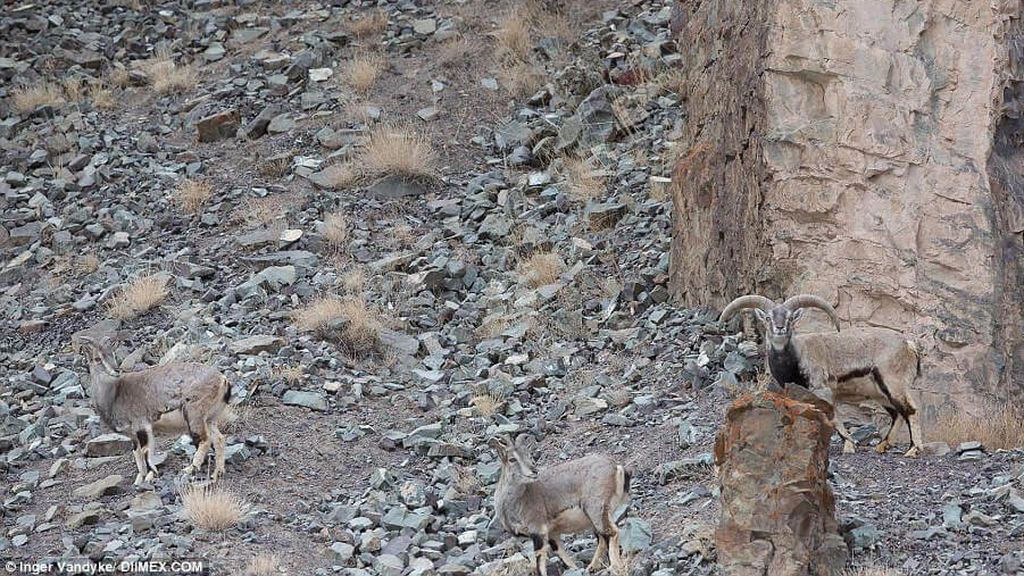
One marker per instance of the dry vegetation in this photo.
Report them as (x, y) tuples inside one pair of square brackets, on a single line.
[(512, 38), (351, 321), (87, 264), (872, 570), (138, 297), (166, 76), (263, 564), (73, 89), (261, 211), (102, 97), (29, 97), (361, 73), (466, 481), (541, 269), (399, 151), (997, 427), (487, 403), (339, 176), (456, 52), (192, 195), (335, 230), (212, 509), (521, 79), (373, 23), (353, 281), (583, 181)]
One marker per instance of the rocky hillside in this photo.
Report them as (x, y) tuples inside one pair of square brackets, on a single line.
[(400, 229)]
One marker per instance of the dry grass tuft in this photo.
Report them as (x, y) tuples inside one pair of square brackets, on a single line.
[(273, 168), (290, 374), (512, 38), (520, 78), (540, 269), (339, 176), (102, 97), (213, 509), (87, 264), (466, 482), (372, 24), (999, 427), (263, 564), (73, 89), (399, 152), (872, 570), (487, 404), (583, 181), (361, 73), (139, 296), (262, 211), (335, 230), (119, 77), (29, 97), (354, 281), (350, 320), (192, 195), (456, 52), (166, 76)]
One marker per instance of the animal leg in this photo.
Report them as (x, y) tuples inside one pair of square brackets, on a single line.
[(556, 543), (218, 445), (602, 549), (914, 423), (894, 415), (540, 552), (140, 460), (149, 446), (849, 446), (615, 551), (202, 448)]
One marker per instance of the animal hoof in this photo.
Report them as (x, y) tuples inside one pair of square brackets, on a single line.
[(882, 447), (189, 470), (138, 480), (150, 477), (912, 453), (849, 448)]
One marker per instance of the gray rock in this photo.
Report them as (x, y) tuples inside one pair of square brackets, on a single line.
[(342, 553), (99, 488), (864, 536), (391, 187), (110, 444), (311, 400), (424, 26), (218, 126), (256, 344), (257, 127), (636, 535)]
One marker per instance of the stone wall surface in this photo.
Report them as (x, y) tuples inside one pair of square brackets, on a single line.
[(879, 166), (778, 510)]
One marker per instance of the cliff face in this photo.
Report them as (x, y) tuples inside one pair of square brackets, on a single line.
[(868, 152)]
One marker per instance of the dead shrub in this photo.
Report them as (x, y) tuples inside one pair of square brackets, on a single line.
[(273, 167), (512, 38), (119, 77), (521, 79), (335, 230), (540, 269), (263, 564), (27, 98), (73, 89), (166, 76), (339, 176), (193, 195), (872, 570), (399, 151), (102, 98), (487, 403), (87, 264), (361, 73), (997, 427), (353, 281), (351, 321), (466, 482), (583, 181), (262, 211), (213, 509), (139, 296), (456, 52), (373, 23)]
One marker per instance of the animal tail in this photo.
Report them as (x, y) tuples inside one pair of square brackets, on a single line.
[(915, 348), (623, 476), (227, 390)]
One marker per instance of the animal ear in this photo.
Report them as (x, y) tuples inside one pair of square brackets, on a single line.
[(763, 317), (796, 316), (526, 443), (499, 446)]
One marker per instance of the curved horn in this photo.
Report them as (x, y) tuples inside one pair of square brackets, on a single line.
[(812, 301), (748, 301)]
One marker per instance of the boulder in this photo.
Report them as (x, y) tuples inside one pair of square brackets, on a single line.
[(780, 523)]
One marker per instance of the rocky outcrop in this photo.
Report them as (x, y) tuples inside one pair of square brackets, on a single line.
[(780, 523), (866, 152)]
